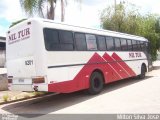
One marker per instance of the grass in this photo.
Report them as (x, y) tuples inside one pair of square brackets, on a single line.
[(15, 98), (38, 93), (26, 96), (6, 97)]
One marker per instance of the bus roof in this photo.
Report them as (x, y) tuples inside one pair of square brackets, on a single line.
[(58, 25)]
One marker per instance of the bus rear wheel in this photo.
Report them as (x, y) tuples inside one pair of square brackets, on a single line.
[(96, 83), (143, 72)]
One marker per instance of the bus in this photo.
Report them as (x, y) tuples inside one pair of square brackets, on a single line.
[(43, 55)]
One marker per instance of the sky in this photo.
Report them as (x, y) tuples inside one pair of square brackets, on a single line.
[(87, 14)]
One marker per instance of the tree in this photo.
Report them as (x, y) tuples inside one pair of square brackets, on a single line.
[(127, 19), (38, 7), (35, 7), (15, 23)]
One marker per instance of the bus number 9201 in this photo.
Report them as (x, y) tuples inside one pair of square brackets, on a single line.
[(29, 62)]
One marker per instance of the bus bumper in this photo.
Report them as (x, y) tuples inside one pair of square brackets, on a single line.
[(29, 87)]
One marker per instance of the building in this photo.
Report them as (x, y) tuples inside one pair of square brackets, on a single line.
[(3, 71), (2, 51)]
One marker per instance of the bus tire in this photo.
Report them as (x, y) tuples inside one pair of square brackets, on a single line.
[(143, 72), (96, 83)]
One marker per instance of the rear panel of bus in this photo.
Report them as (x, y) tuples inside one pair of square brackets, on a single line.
[(24, 55)]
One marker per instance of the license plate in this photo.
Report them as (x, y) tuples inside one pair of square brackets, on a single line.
[(21, 80)]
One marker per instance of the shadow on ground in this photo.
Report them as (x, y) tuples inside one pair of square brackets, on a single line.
[(61, 101), (156, 67)]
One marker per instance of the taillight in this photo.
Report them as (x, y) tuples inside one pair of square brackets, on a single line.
[(9, 80), (38, 80)]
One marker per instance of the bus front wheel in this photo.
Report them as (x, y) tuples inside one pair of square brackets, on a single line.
[(96, 83), (143, 72)]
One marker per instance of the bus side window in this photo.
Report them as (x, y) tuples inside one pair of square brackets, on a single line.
[(110, 43), (147, 46), (124, 45), (51, 39), (129, 42), (91, 42), (80, 41), (134, 43), (117, 44), (142, 45), (138, 45), (66, 37), (66, 40), (101, 43)]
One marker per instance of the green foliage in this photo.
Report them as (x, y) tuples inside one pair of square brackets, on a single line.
[(6, 97), (126, 18), (38, 93), (15, 23)]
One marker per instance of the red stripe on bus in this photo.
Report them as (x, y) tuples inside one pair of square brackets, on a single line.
[(81, 80), (116, 66), (124, 65)]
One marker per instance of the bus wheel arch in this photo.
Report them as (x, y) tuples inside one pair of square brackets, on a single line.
[(96, 82)]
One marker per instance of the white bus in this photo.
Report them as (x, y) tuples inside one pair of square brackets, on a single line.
[(46, 56)]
